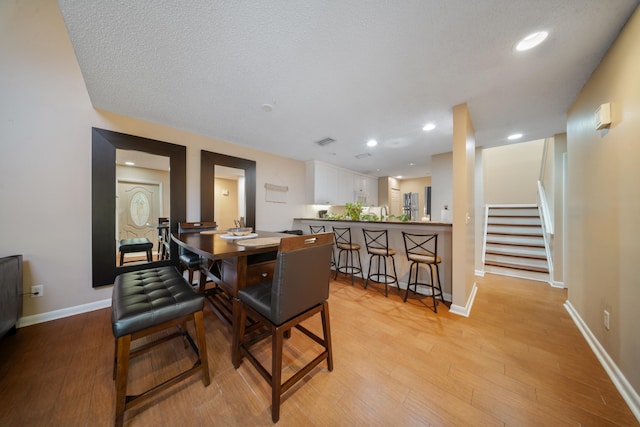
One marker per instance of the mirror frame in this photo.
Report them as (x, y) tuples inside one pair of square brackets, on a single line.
[(208, 161), (103, 202)]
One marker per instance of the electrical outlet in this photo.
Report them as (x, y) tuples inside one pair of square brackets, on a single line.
[(37, 291), (606, 320)]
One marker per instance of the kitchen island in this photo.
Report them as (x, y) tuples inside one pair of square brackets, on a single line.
[(396, 242)]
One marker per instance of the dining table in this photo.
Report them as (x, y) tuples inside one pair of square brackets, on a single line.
[(233, 263)]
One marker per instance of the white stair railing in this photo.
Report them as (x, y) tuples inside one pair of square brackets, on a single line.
[(543, 206)]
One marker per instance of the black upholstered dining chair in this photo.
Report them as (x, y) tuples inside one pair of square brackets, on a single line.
[(298, 291), (187, 259)]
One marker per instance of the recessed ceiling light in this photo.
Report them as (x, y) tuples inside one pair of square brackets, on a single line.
[(129, 163), (429, 126), (514, 136), (372, 143), (267, 107), (399, 177), (531, 41), (412, 164)]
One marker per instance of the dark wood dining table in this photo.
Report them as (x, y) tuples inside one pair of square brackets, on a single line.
[(233, 264)]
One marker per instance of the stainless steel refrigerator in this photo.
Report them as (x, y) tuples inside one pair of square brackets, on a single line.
[(410, 205)]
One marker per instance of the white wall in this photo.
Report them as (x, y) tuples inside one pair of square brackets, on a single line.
[(511, 173), (441, 184), (45, 159), (603, 206)]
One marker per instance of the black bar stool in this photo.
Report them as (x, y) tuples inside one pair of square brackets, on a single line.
[(344, 244), (164, 238), (377, 243), (316, 229), (145, 302), (423, 249)]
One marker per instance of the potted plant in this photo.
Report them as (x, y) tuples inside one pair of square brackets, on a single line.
[(353, 211), (403, 217)]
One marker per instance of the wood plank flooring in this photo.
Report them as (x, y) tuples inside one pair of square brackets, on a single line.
[(517, 361)]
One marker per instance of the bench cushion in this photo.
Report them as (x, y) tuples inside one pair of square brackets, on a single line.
[(149, 297), (137, 244)]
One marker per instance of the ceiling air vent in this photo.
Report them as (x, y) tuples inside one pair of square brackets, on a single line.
[(363, 155), (325, 141)]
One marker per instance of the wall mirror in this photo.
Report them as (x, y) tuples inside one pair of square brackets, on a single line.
[(225, 165), (229, 201), (106, 203), (142, 203)]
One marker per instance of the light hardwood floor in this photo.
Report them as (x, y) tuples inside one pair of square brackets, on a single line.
[(518, 360)]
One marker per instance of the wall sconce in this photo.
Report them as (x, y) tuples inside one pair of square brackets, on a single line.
[(603, 116)]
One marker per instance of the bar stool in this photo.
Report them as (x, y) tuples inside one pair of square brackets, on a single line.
[(136, 244), (344, 244), (316, 229), (423, 249), (377, 243), (143, 303), (164, 238)]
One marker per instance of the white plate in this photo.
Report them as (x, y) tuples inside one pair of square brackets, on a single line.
[(232, 237)]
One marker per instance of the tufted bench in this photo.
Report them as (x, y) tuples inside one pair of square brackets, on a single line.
[(145, 302), (137, 244)]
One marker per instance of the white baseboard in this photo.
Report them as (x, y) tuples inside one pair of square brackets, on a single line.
[(466, 310), (556, 284), (617, 377), (65, 312), (479, 273)]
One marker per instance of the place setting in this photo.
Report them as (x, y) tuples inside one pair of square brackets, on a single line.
[(244, 236), (239, 231)]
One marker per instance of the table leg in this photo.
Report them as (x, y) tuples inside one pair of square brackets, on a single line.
[(235, 335)]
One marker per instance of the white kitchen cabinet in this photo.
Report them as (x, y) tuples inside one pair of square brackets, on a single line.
[(371, 185), (365, 189), (331, 185), (345, 186), (322, 183)]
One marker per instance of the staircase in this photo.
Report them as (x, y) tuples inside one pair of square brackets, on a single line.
[(514, 243)]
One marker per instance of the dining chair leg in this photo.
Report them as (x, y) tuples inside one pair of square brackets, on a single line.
[(238, 337), (183, 331), (198, 320), (276, 373), (326, 328), (123, 345), (115, 360)]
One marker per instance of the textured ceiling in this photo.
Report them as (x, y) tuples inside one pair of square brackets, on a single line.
[(349, 70)]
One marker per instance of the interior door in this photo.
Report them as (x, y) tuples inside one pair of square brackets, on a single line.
[(138, 206), (396, 203)]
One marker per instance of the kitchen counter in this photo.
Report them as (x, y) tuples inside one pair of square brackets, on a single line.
[(395, 228), (376, 222)]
